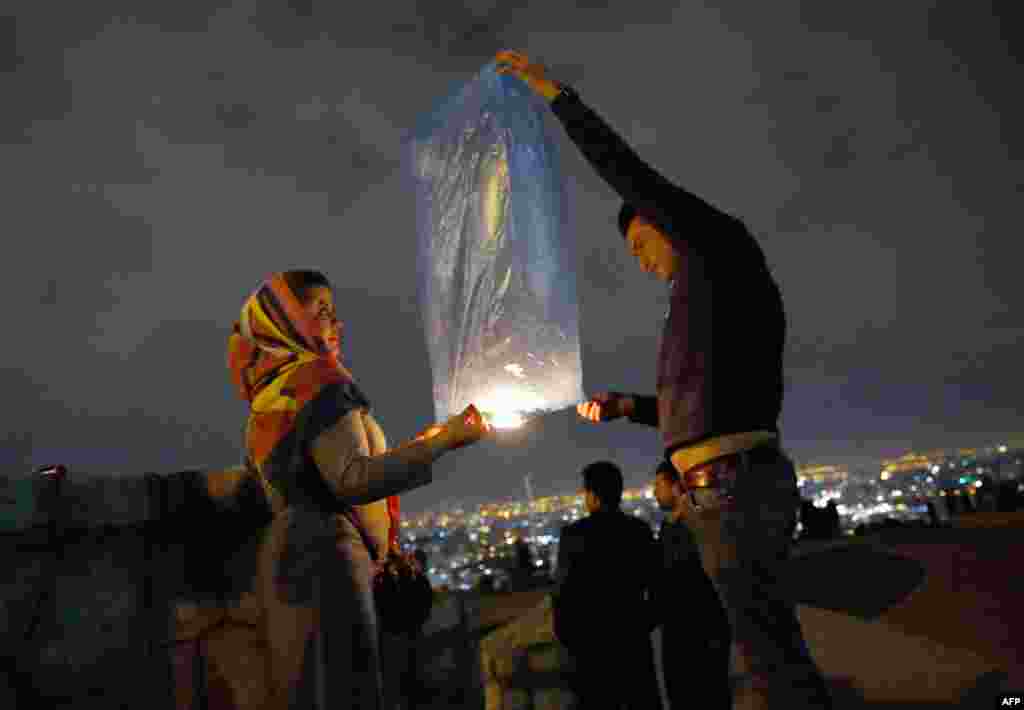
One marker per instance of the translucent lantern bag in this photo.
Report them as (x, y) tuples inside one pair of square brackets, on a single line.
[(497, 282)]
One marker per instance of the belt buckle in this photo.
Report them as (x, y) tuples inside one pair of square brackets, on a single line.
[(702, 476), (716, 474)]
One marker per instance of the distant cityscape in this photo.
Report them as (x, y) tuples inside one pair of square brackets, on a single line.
[(468, 547)]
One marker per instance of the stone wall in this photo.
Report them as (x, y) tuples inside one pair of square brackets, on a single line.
[(524, 666), (92, 642), (140, 594), (95, 566)]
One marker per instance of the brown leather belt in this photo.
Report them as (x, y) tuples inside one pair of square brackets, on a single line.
[(688, 457), (721, 472)]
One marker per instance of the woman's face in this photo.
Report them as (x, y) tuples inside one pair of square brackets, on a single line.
[(320, 307)]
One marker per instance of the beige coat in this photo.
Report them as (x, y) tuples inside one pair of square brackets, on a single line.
[(315, 572)]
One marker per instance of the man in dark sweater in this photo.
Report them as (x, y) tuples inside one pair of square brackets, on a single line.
[(601, 609), (719, 396), (694, 626)]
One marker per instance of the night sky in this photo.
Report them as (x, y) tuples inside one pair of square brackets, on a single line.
[(156, 164)]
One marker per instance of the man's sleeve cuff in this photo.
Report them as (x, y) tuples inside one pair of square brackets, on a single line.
[(565, 98), (645, 410)]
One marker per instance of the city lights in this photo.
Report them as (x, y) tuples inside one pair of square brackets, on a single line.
[(471, 544)]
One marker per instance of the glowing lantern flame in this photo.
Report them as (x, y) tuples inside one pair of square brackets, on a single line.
[(505, 407), (506, 420)]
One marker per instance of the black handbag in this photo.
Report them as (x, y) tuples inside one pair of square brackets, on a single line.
[(403, 596), (401, 590)]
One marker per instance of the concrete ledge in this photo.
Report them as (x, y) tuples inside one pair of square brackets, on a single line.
[(885, 664), (954, 638)]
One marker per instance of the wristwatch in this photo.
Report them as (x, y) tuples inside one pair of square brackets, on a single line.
[(567, 91)]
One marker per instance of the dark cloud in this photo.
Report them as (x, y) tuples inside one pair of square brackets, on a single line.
[(840, 153), (19, 437), (49, 297), (36, 37), (826, 104), (301, 8), (796, 75), (68, 242), (235, 116), (443, 33), (34, 75), (10, 58)]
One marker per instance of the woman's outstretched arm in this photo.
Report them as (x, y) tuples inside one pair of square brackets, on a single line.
[(342, 453)]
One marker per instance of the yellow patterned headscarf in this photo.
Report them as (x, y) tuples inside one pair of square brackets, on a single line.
[(295, 385)]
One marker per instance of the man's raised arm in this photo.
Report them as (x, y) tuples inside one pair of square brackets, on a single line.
[(672, 208), (676, 211)]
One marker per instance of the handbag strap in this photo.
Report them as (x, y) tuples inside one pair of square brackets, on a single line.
[(351, 516)]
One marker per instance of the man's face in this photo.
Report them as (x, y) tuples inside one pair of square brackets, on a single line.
[(591, 501), (666, 492), (652, 249)]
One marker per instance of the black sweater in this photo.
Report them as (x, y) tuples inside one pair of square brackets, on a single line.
[(720, 363)]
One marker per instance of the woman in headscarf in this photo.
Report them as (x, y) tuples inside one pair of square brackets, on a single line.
[(333, 484)]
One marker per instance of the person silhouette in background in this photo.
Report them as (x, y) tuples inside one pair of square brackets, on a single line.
[(606, 563), (694, 627), (832, 518), (524, 564), (808, 520)]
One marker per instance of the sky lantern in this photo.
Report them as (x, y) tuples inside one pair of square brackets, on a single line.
[(496, 261)]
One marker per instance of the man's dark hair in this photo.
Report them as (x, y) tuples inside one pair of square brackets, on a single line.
[(604, 480), (626, 215), (301, 282), (666, 469)]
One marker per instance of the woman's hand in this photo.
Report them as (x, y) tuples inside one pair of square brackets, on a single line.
[(535, 75), (605, 407), (429, 433), (465, 428)]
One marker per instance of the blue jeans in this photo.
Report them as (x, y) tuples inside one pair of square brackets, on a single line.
[(743, 527)]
